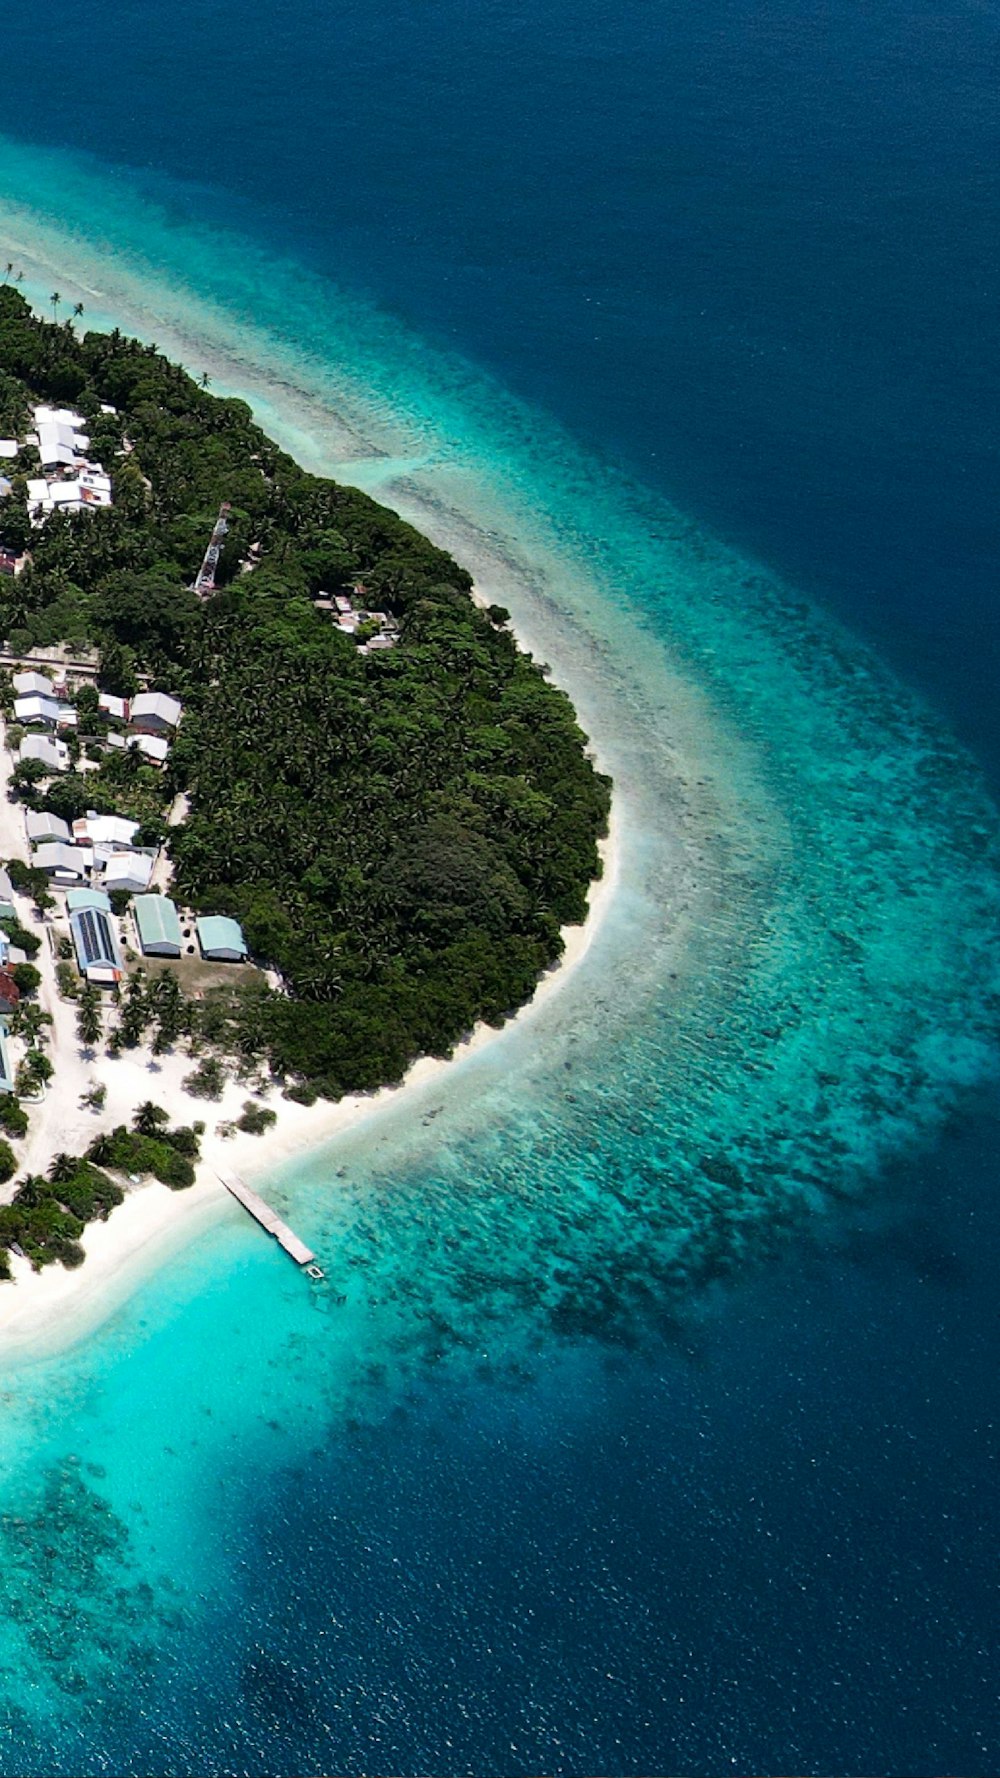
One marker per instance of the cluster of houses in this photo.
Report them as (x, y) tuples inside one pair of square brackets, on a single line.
[(70, 480), (43, 704), (98, 846), (94, 932), (350, 618), (92, 860)]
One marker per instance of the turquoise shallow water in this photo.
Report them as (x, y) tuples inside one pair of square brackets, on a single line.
[(794, 990)]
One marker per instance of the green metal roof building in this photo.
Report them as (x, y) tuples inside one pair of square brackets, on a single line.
[(221, 939), (78, 899), (158, 926)]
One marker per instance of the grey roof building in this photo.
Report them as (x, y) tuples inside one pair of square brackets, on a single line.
[(65, 864), (154, 711), (40, 825), (51, 754)]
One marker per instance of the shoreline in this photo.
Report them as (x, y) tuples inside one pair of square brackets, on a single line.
[(48, 1311)]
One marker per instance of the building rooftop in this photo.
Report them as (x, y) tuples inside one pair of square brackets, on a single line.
[(57, 416), (49, 753), (154, 747), (95, 941), (216, 932), (128, 870), (156, 918), (35, 708), (155, 704), (55, 855), (78, 899), (40, 825), (27, 682), (106, 830)]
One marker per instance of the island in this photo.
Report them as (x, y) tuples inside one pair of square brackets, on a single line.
[(283, 808)]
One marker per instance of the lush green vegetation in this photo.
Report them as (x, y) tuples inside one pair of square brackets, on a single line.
[(47, 1215), (402, 834), (163, 1154)]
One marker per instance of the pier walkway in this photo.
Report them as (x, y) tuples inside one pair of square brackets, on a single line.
[(268, 1219)]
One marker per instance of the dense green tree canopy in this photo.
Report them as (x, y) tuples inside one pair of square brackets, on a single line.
[(402, 833)]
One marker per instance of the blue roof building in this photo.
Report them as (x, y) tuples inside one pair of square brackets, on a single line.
[(96, 944)]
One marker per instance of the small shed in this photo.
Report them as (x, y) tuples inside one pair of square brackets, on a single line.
[(7, 909), (158, 926), (221, 939)]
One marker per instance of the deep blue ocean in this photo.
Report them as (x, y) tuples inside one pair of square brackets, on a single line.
[(746, 258)]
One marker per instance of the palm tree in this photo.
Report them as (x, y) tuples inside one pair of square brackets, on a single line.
[(77, 310), (89, 1023), (63, 1168), (8, 269), (55, 299), (149, 1119), (31, 1191), (204, 379)]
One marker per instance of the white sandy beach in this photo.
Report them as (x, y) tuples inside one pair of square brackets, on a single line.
[(43, 1311)]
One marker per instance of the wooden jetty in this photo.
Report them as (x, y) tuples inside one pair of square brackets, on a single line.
[(269, 1220)]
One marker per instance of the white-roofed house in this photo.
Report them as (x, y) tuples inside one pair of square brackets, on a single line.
[(64, 864), (152, 747), (56, 447), (57, 416), (65, 494), (51, 754), (44, 711), (40, 826), (113, 706), (110, 833), (128, 870), (8, 447), (153, 713), (26, 683), (39, 504)]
